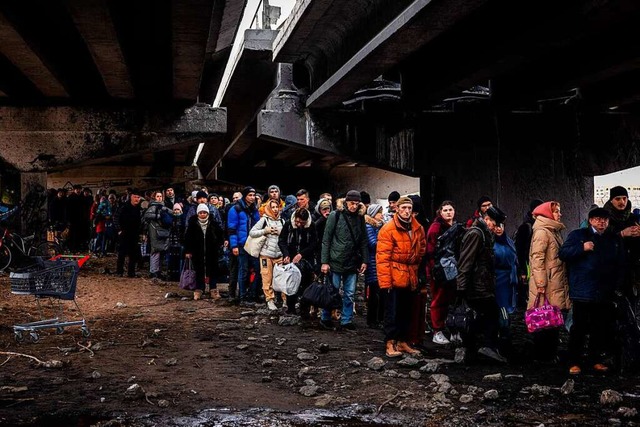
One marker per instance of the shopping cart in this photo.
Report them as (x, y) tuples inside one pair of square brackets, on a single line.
[(55, 279)]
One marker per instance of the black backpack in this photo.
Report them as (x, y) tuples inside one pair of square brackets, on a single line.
[(447, 253)]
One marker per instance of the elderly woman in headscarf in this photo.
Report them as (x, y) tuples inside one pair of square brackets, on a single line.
[(548, 273), (201, 243), (375, 306)]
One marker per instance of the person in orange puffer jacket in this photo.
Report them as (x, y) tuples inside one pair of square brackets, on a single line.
[(401, 246)]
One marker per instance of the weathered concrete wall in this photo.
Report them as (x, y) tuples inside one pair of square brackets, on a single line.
[(514, 158), (377, 182)]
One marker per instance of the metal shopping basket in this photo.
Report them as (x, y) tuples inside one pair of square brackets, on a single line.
[(54, 279)]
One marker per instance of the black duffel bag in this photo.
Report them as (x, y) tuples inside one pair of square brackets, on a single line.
[(460, 317), (322, 294)]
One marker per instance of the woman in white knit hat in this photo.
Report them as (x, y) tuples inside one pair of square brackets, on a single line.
[(201, 243)]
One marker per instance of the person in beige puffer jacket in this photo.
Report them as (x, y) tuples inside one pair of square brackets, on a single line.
[(548, 273)]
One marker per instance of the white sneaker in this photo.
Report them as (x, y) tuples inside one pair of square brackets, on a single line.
[(271, 305), (439, 338)]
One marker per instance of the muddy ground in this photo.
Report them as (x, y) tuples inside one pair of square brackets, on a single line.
[(207, 363)]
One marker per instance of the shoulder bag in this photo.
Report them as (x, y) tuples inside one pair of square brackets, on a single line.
[(546, 316), (188, 276), (253, 245)]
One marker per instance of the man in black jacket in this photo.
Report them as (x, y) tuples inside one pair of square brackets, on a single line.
[(129, 223), (476, 282)]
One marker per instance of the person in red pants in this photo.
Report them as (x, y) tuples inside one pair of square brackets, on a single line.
[(443, 292)]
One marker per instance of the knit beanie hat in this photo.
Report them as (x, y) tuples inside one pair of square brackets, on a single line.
[(201, 194), (393, 196), (373, 209), (404, 200), (483, 199), (353, 196), (194, 193), (618, 191), (247, 190), (177, 206), (496, 214), (365, 197), (273, 187), (544, 210), (417, 203), (202, 208), (599, 212)]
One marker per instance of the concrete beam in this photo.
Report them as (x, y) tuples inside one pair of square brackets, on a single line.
[(420, 23), (93, 20), (190, 24), (16, 50), (45, 138)]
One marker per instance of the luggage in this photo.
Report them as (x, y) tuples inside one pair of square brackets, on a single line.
[(321, 293)]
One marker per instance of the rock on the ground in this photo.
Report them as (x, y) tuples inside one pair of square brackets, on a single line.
[(627, 412), (408, 361), (306, 356), (309, 390), (492, 377), (289, 320), (568, 387), (610, 397), (134, 392), (163, 403), (376, 363), (491, 394), (415, 375), (430, 367), (439, 378), (465, 398)]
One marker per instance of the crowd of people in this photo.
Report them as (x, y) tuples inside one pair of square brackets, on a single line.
[(415, 270)]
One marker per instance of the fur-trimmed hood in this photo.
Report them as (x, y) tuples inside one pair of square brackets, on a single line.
[(306, 225), (340, 206)]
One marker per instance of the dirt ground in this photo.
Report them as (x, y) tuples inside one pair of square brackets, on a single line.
[(207, 363)]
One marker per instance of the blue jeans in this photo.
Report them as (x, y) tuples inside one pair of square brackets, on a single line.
[(245, 262), (348, 291)]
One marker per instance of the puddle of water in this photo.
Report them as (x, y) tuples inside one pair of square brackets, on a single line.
[(350, 416)]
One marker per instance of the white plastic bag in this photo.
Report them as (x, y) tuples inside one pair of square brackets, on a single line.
[(286, 278)]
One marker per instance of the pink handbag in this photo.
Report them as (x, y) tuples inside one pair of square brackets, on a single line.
[(546, 316)]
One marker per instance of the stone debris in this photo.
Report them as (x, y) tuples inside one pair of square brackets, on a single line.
[(355, 363), (627, 412), (268, 362), (408, 361), (242, 346), (492, 377), (289, 320), (568, 387), (466, 398), (491, 394), (431, 367), (95, 375), (376, 363), (306, 356), (162, 403), (134, 392), (171, 362), (610, 397), (309, 390), (121, 305), (415, 375)]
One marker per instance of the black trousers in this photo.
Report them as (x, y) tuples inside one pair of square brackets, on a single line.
[(397, 313), (128, 248), (233, 276), (593, 319), (375, 304), (486, 324)]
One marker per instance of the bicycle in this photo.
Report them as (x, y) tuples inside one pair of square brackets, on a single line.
[(25, 247)]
